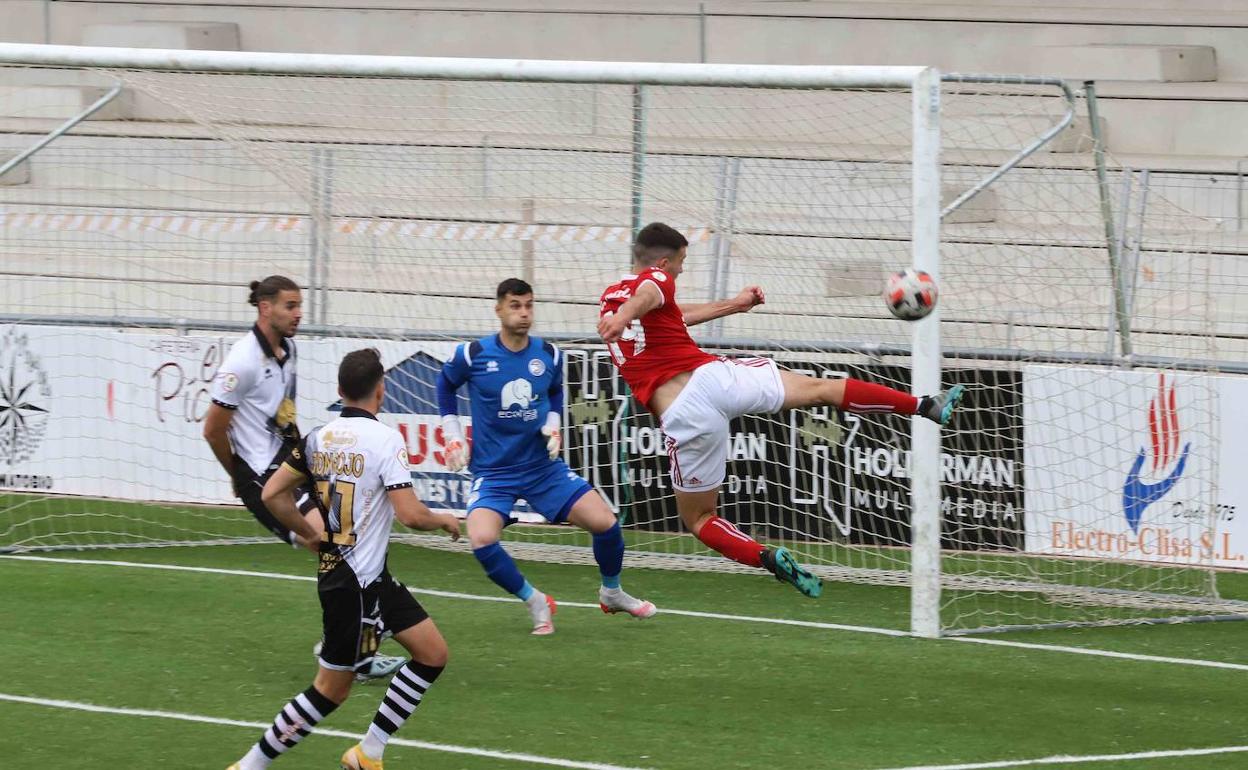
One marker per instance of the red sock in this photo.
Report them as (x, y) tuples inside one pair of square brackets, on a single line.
[(868, 397), (723, 536)]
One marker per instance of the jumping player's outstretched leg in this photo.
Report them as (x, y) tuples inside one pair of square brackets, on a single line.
[(697, 511), (485, 527), (591, 514), (866, 397)]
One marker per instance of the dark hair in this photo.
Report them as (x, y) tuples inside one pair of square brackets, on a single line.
[(269, 288), (656, 241), (515, 286), (359, 373)]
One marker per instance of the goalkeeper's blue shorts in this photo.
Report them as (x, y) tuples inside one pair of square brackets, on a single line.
[(550, 490)]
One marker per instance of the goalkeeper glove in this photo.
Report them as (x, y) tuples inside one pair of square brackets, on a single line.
[(554, 439), (457, 451)]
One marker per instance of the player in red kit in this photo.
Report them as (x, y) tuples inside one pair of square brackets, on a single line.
[(695, 394)]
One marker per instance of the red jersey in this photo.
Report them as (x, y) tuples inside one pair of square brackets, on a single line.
[(656, 347)]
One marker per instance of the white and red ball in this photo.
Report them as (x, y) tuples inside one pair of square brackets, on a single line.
[(910, 294)]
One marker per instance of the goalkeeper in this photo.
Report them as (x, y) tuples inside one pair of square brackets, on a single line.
[(515, 386)]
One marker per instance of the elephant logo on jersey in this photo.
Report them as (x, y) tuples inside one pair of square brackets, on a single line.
[(518, 393)]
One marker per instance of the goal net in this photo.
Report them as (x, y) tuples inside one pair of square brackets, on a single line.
[(1083, 481)]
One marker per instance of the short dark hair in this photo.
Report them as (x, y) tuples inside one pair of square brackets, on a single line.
[(268, 288), (656, 241), (516, 286), (359, 373)]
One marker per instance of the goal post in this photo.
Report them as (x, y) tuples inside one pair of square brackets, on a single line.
[(399, 192), (925, 363)]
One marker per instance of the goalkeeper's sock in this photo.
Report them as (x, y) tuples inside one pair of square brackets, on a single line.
[(723, 536), (868, 397), (405, 693), (502, 569), (609, 553), (291, 725)]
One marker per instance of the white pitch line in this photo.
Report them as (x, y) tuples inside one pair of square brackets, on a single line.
[(1103, 653), (258, 726), (686, 613), (154, 565), (1062, 760), (457, 595)]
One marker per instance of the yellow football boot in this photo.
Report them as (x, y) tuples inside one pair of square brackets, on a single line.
[(356, 759)]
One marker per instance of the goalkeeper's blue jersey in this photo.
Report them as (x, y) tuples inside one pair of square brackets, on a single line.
[(511, 393)]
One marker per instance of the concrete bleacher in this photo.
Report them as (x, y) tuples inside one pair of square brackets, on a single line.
[(1148, 55), (1172, 81), (1166, 44)]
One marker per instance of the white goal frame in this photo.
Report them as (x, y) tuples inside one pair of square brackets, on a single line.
[(924, 83)]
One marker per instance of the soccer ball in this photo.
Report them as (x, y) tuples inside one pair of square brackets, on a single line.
[(910, 294)]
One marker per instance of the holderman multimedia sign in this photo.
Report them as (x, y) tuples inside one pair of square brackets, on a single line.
[(813, 473)]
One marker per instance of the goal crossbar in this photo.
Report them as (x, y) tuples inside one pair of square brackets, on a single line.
[(419, 67)]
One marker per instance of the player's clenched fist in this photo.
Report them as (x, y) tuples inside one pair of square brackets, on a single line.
[(611, 327), (750, 296)]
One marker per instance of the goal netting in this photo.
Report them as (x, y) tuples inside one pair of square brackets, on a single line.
[(1083, 481)]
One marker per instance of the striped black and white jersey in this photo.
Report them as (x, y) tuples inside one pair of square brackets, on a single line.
[(261, 391), (354, 462)]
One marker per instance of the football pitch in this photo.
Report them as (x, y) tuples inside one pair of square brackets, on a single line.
[(179, 657)]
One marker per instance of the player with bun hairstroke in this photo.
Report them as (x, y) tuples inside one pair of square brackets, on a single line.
[(251, 425)]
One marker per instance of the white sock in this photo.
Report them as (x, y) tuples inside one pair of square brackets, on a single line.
[(374, 743), (536, 600), (254, 760)]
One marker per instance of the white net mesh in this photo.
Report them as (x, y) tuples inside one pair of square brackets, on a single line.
[(400, 205)]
